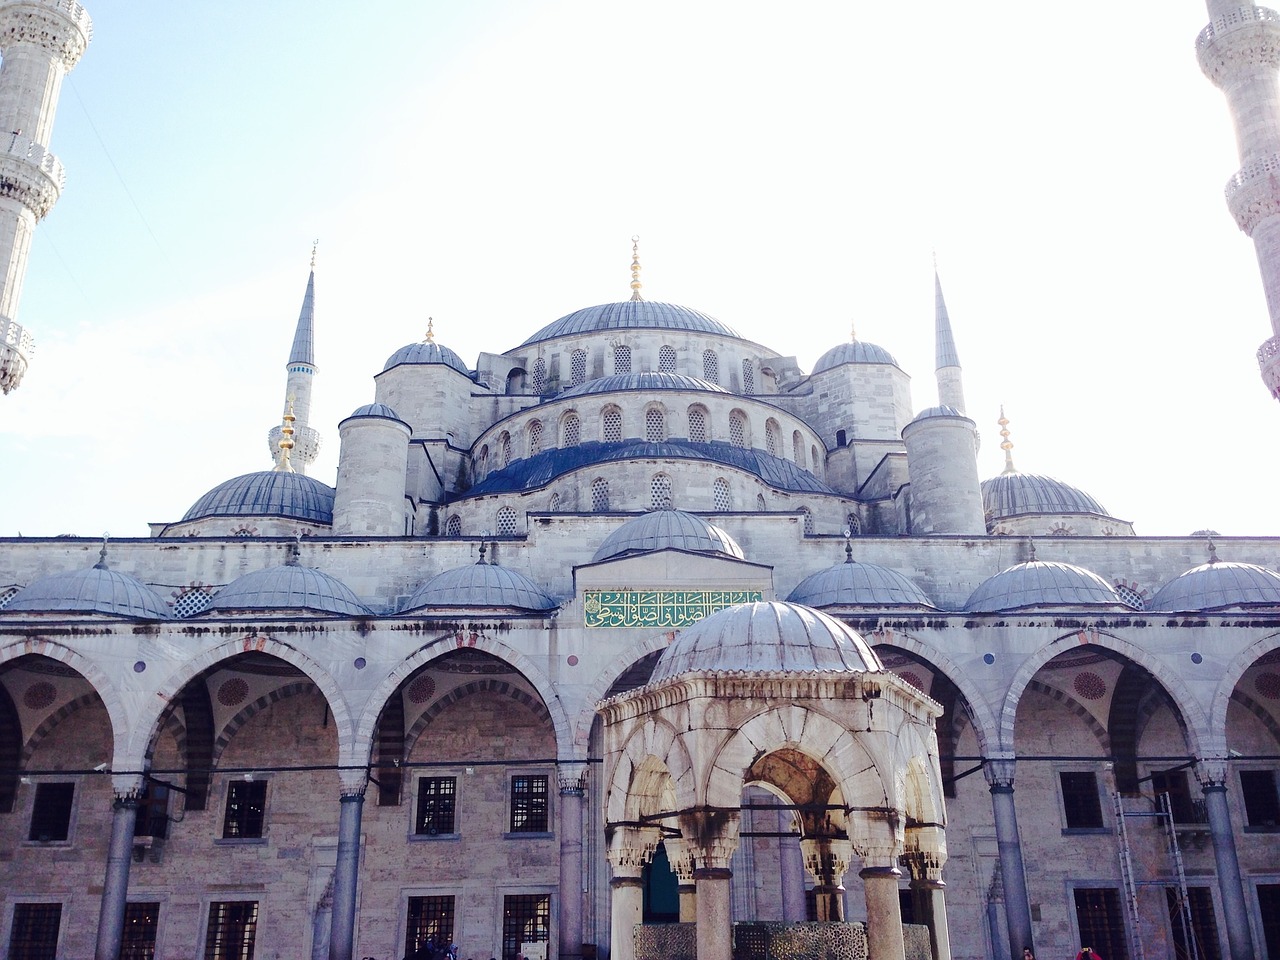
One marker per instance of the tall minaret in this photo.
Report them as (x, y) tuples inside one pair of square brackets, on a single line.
[(1239, 51), (302, 371), (40, 41), (950, 387)]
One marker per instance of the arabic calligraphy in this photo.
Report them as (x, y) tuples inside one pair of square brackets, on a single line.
[(658, 609)]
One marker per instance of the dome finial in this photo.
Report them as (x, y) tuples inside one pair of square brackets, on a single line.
[(853, 332), (314, 244), (1213, 551), (1006, 444), (102, 554), (1031, 550), (635, 268), (286, 440), (431, 331), (483, 548), (848, 545)]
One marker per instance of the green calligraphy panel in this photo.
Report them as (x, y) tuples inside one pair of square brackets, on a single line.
[(658, 609)]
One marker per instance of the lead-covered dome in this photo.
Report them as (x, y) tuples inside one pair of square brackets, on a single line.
[(855, 351), (268, 493), (96, 590), (378, 411), (641, 381), (941, 411), (766, 638), (1017, 494), (633, 315), (667, 530), (480, 585), (289, 587), (1219, 585), (426, 352), (854, 584), (1042, 583)]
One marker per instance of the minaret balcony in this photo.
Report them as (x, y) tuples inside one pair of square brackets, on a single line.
[(1269, 361), (1253, 193), (1240, 41), (16, 348), (30, 173)]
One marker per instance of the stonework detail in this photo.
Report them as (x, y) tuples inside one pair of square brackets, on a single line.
[(1253, 193), (658, 608), (1238, 42), (61, 27)]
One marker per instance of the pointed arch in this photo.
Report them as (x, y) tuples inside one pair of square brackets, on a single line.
[(501, 688), (51, 722), (605, 679), (251, 710), (1078, 709), (1233, 674)]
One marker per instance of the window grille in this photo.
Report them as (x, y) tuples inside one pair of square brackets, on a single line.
[(1269, 911), (853, 524), (539, 375), (140, 922), (572, 431), (246, 810), (7, 594), (748, 376), (697, 425), (526, 918), (1101, 923), (191, 601), (666, 360), (1081, 804), (483, 466), (554, 503), (233, 928), (737, 429), (599, 495), (660, 492), (720, 495), (772, 439), (504, 450), (808, 521), (535, 437), (51, 812), (655, 425), (506, 522), (578, 367), (760, 504), (430, 918), (453, 526), (1204, 928), (710, 366), (1131, 596), (797, 448), (529, 807), (34, 935), (437, 798), (612, 425), (622, 358)]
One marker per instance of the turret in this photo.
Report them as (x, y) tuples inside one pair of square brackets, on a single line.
[(40, 41), (301, 373), (372, 469)]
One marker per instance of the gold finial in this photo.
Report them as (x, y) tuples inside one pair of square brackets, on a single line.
[(286, 440), (314, 243), (1006, 444), (431, 331), (853, 332), (635, 268)]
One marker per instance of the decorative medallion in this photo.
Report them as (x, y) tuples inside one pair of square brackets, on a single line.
[(1090, 686), (422, 689), (1268, 685), (913, 679), (40, 695), (572, 661), (233, 691), (658, 609)]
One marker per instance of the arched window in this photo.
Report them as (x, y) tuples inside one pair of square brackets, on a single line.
[(772, 438), (698, 425), (748, 376), (535, 437), (797, 448), (504, 449), (453, 526), (808, 521), (710, 366), (760, 504), (853, 524), (577, 367), (622, 358), (611, 425), (660, 492), (721, 497), (840, 438), (738, 428), (482, 465), (506, 522), (554, 503), (817, 463), (666, 359), (539, 375), (570, 430), (599, 495), (655, 425)]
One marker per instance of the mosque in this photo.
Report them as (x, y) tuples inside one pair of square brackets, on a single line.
[(637, 639)]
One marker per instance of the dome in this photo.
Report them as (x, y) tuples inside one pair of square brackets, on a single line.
[(1014, 494), (480, 585), (853, 584), (667, 529), (641, 381), (269, 493), (424, 353), (930, 413), (1040, 583), (855, 351), (767, 638), (289, 587), (633, 315), (96, 590), (380, 410), (1219, 585)]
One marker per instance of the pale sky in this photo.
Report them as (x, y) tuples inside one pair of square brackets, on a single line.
[(790, 169)]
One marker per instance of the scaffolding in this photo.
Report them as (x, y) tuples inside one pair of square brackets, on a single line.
[(1180, 915)]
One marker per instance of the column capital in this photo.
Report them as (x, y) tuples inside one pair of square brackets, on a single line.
[(925, 868), (999, 770), (128, 785), (572, 775), (352, 782), (710, 835), (631, 847), (680, 858), (1211, 773), (827, 859)]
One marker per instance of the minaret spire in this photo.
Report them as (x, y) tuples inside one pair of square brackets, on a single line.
[(1005, 443), (950, 386), (305, 440), (635, 269)]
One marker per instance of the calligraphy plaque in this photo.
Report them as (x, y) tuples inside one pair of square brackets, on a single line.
[(658, 609)]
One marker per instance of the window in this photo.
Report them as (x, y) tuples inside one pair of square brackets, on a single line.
[(853, 524), (570, 431), (622, 358), (813, 458), (1261, 802), (139, 942), (1269, 910), (34, 935), (51, 812), (797, 448), (611, 431), (807, 515), (599, 495), (1081, 804), (710, 366), (660, 492), (1204, 928), (504, 450), (153, 811), (246, 809), (529, 804), (666, 360), (772, 438), (760, 504), (697, 425), (720, 495), (554, 503), (748, 376), (482, 466), (430, 918), (1100, 922), (535, 437), (453, 526), (191, 601), (437, 797), (1182, 805), (232, 930), (506, 522), (577, 367), (655, 425), (539, 375), (525, 919), (738, 428)]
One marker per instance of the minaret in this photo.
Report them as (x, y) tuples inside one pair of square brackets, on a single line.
[(1239, 51), (40, 41), (302, 370), (950, 387)]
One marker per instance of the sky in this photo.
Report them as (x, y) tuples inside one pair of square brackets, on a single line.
[(791, 169)]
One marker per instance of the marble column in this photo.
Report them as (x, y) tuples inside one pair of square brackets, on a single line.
[(346, 873), (884, 913), (115, 887), (791, 868), (573, 783), (1212, 774), (927, 894), (681, 861), (630, 848), (827, 860), (1017, 905), (715, 917)]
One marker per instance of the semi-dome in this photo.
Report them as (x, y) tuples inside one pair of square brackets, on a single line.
[(766, 638), (286, 588), (426, 352), (1016, 494), (480, 585), (855, 584), (1219, 585), (379, 410), (1042, 583), (633, 315), (651, 380), (855, 351), (95, 590), (667, 529), (268, 493)]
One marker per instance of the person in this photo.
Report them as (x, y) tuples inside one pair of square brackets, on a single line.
[(1028, 954), (1086, 953)]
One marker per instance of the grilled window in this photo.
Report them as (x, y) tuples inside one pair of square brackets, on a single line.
[(232, 931), (529, 804), (797, 448), (34, 934), (437, 801), (655, 425), (1101, 923), (622, 358), (506, 522), (600, 495), (539, 375), (153, 811), (748, 376), (535, 437), (1261, 801), (710, 366), (612, 431), (1080, 802), (140, 922), (772, 438), (430, 918), (51, 812), (453, 526), (245, 815), (722, 500), (660, 492), (525, 919), (666, 360), (697, 425), (738, 428), (571, 431), (577, 367)]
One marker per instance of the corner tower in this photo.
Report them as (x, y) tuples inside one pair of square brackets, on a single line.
[(40, 41)]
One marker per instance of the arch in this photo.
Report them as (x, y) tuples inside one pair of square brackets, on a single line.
[(606, 678), (249, 711), (1232, 676), (698, 420), (1193, 714), (502, 688), (653, 751), (1076, 708), (1261, 713), (611, 424), (51, 722), (533, 437), (655, 424), (570, 430)]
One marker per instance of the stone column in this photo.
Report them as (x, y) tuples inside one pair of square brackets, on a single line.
[(1017, 905), (681, 861), (827, 860), (791, 868), (1212, 774), (346, 873), (573, 785), (884, 913), (711, 836), (927, 889), (115, 887), (630, 848)]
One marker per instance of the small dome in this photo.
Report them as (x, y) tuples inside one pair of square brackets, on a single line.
[(667, 529), (1040, 583), (855, 351), (289, 587), (942, 410), (641, 381), (633, 315), (96, 590), (380, 410), (1015, 494), (269, 493), (767, 638), (1219, 585), (858, 585), (425, 353), (480, 585)]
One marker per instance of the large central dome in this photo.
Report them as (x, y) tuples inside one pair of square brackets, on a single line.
[(633, 315)]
